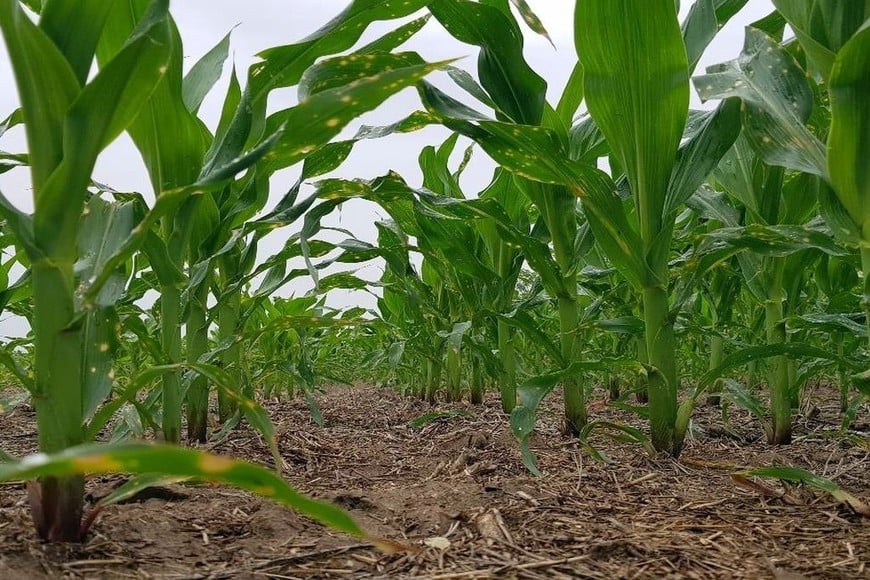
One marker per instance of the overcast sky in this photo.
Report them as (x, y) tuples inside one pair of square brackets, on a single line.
[(267, 23)]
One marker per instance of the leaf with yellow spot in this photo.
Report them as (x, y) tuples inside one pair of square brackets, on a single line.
[(331, 99), (96, 463), (215, 464), (178, 462)]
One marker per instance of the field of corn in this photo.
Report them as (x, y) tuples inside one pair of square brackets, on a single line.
[(639, 351)]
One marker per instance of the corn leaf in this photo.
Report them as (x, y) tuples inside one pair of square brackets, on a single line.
[(705, 19), (395, 38), (778, 102), (752, 353), (531, 19), (782, 240), (630, 71), (849, 139), (171, 140), (533, 390), (518, 91), (176, 461), (316, 120), (701, 154), (283, 66), (204, 74), (45, 97), (797, 475), (136, 485), (75, 29), (103, 109), (823, 27)]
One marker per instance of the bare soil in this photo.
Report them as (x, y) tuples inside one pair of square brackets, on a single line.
[(456, 492)]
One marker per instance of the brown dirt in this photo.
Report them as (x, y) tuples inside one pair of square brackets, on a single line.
[(461, 478)]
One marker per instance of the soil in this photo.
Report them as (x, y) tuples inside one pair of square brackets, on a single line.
[(456, 493)]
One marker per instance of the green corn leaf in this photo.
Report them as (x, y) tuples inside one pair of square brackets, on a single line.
[(837, 217), (523, 321), (536, 253), (316, 120), (586, 142), (104, 227), (617, 236), (467, 83), (8, 162), (618, 432), (341, 71), (395, 38), (701, 154), (103, 109), (253, 412), (736, 174), (176, 461), (283, 66), (628, 69), (171, 140), (830, 323), (45, 97), (517, 90), (747, 400), (344, 280), (13, 120), (797, 475), (204, 74), (75, 29), (34, 5), (128, 395), (455, 336), (706, 18), (572, 96), (531, 19), (21, 225), (136, 485), (753, 353), (849, 139), (143, 235), (17, 292), (535, 153), (823, 28), (778, 102), (630, 325), (21, 374), (232, 100), (777, 240), (100, 340), (713, 205)]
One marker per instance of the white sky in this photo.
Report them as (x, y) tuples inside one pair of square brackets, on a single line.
[(266, 23)]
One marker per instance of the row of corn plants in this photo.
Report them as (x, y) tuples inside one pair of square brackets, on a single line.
[(737, 228), (97, 357)]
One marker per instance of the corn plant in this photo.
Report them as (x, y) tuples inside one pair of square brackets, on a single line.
[(556, 159), (68, 122), (517, 94), (835, 38)]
